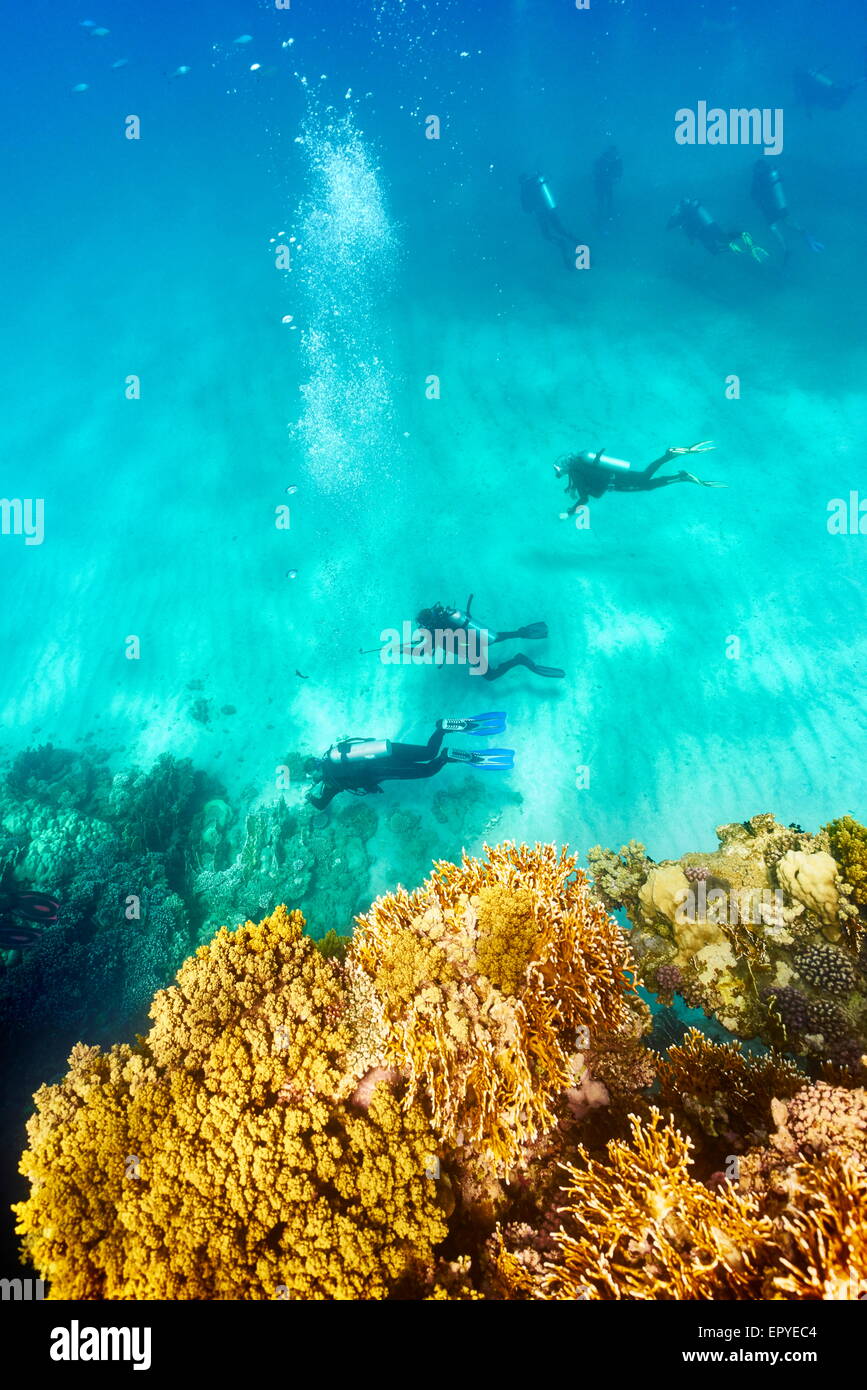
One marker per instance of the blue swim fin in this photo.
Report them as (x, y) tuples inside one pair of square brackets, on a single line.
[(487, 760), (494, 722)]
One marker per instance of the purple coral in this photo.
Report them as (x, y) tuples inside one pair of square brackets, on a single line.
[(668, 978), (824, 967), (792, 1007), (696, 873), (825, 1018)]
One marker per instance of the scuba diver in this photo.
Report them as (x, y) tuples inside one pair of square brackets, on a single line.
[(607, 169), (816, 89), (536, 197), (358, 765), (769, 195), (592, 475), (441, 619), (699, 225), (35, 908)]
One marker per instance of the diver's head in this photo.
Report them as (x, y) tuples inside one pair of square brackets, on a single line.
[(559, 469), (312, 767), (427, 618)]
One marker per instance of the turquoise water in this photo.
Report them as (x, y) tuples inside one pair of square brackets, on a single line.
[(410, 257), (156, 258)]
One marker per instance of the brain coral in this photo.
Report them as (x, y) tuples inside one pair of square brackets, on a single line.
[(223, 1157), (490, 978)]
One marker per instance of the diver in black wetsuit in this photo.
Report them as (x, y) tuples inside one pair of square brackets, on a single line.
[(536, 197), (769, 195), (816, 90), (699, 225), (607, 170), (592, 475), (359, 764), (439, 618)]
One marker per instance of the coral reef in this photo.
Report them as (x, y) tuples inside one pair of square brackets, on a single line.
[(462, 1101), (725, 1093), (491, 1053), (760, 935), (639, 1225), (222, 1157), (848, 844)]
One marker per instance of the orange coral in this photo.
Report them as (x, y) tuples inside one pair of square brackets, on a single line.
[(639, 1226), (490, 1061), (721, 1087), (224, 1158), (822, 1238)]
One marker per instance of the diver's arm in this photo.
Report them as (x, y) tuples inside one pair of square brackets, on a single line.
[(325, 798)]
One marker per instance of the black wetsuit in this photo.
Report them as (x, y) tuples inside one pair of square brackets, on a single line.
[(455, 620), (589, 479), (769, 196), (403, 762), (536, 197), (698, 225), (815, 89)]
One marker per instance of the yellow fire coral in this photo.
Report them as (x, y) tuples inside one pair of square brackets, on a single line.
[(822, 1241), (223, 1158), (490, 978), (639, 1226), (721, 1087)]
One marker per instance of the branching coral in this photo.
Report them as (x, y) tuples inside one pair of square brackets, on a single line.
[(491, 1062), (223, 1158), (638, 1225), (726, 1092), (312, 1120), (821, 1242)]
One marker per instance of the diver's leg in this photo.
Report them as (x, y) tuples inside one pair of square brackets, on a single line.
[(414, 771), (493, 673), (408, 754), (654, 483), (777, 233), (651, 468)]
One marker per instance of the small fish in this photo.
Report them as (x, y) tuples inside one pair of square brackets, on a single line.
[(100, 33), (81, 87), (292, 488), (291, 574), (181, 71), (298, 673), (121, 63), (287, 318), (88, 24), (243, 38), (254, 67)]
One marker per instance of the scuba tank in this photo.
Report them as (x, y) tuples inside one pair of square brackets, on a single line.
[(456, 619), (358, 750), (546, 194), (603, 461), (459, 621), (768, 192), (700, 216), (536, 194)]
